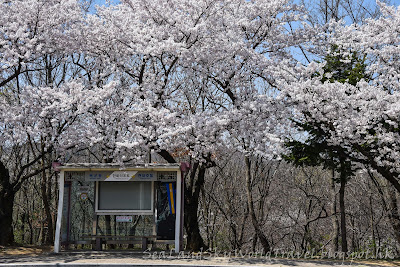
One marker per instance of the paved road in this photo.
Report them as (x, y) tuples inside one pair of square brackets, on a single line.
[(140, 259)]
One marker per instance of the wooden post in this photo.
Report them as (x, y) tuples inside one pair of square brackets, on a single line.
[(145, 242), (99, 244)]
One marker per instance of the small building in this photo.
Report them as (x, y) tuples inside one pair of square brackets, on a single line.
[(119, 204)]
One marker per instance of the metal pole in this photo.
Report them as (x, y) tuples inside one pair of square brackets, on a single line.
[(59, 213), (178, 211), (182, 210)]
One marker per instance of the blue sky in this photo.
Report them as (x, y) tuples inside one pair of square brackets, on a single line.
[(368, 2), (102, 2), (395, 2)]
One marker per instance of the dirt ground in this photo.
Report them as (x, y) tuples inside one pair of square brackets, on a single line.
[(44, 255)]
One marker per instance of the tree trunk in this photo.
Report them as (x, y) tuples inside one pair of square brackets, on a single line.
[(335, 222), (7, 195), (257, 228), (343, 212), (46, 203), (6, 214), (371, 209), (41, 236), (195, 241), (394, 213), (108, 228), (23, 221), (254, 242), (191, 197), (132, 229), (28, 214)]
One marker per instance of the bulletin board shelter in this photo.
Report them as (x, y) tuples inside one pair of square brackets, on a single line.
[(114, 204)]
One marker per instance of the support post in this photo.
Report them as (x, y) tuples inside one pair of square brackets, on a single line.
[(95, 221), (182, 212), (59, 212), (178, 211)]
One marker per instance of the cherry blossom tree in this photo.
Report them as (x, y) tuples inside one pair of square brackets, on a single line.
[(40, 95), (141, 75), (185, 75), (192, 68), (362, 118), (358, 118)]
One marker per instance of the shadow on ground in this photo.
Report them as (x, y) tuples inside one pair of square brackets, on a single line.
[(155, 260)]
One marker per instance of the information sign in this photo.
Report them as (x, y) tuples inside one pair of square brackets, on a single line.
[(123, 218)]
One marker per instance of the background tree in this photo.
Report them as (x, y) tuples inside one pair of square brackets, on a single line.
[(316, 149), (26, 45)]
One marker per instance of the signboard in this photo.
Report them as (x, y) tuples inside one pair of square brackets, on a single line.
[(96, 176), (146, 176), (83, 196), (166, 176), (121, 176), (73, 176), (83, 189), (123, 218), (83, 192)]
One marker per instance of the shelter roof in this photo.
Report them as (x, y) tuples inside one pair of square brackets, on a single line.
[(119, 166)]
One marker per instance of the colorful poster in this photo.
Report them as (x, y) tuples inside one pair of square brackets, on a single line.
[(171, 193)]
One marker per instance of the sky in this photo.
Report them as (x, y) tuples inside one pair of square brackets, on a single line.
[(102, 2), (394, 2), (366, 2)]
